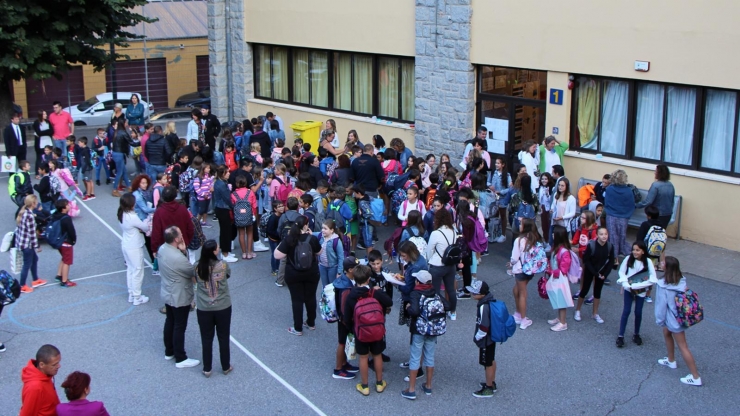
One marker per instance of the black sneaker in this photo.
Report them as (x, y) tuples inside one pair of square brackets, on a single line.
[(404, 365), (636, 339), (483, 384), (419, 374), (97, 183), (344, 375), (607, 282), (58, 278), (485, 253), (107, 181), (484, 392), (620, 342), (589, 301), (361, 246), (2, 347), (463, 295), (386, 359)]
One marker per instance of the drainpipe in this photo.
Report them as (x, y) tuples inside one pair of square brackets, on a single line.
[(146, 65), (230, 109)]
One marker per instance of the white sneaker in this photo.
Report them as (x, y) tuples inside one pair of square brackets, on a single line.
[(517, 318), (258, 246), (553, 321), (140, 300), (598, 319), (230, 259), (169, 357), (130, 298), (690, 380), (670, 364), (501, 239), (187, 363), (559, 327), (452, 316), (526, 322), (232, 253), (577, 316)]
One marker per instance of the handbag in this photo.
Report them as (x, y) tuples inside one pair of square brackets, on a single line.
[(349, 347), (16, 260), (9, 164), (542, 288)]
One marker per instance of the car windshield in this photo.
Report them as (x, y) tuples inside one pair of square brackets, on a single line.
[(88, 103), (205, 93)]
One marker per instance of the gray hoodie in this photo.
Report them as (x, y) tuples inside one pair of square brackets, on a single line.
[(665, 304)]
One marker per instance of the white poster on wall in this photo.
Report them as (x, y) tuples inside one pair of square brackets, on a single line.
[(498, 129)]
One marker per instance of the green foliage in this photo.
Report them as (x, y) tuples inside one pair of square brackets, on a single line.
[(41, 38)]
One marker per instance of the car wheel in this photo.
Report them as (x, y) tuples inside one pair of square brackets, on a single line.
[(80, 123)]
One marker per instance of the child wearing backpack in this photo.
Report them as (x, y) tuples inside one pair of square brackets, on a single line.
[(273, 233), (527, 258), (636, 274), (585, 233), (244, 203), (487, 348), (427, 311), (653, 234), (186, 185), (364, 314), (332, 253), (203, 187), (338, 210), (558, 287), (66, 250), (411, 204), (346, 281), (280, 185), (598, 259), (365, 217), (414, 231), (672, 283)]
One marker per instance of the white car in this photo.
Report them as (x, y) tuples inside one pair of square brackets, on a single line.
[(98, 110)]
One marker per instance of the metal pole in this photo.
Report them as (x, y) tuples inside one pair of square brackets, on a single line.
[(230, 109), (146, 66), (113, 81)]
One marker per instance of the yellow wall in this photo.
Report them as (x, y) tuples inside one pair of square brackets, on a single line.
[(181, 69), (378, 26), (345, 123), (687, 42)]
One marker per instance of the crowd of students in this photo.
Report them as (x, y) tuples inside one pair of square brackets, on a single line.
[(319, 210)]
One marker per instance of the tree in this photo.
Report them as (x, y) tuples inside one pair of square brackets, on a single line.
[(41, 38)]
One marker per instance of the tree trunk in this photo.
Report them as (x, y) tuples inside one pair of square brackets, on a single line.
[(6, 104)]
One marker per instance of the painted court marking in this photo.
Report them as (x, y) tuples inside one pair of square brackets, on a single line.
[(231, 338)]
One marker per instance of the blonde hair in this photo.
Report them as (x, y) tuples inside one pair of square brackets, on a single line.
[(28, 203), (619, 177), (169, 128), (280, 168), (255, 147)]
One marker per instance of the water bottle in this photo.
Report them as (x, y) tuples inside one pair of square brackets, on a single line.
[(393, 253)]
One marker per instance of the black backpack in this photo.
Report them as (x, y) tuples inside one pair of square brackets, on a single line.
[(452, 254), (303, 255), (286, 227)]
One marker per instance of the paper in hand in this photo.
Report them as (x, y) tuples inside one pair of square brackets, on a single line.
[(392, 279)]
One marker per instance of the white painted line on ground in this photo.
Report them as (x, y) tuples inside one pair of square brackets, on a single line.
[(233, 340), (276, 377)]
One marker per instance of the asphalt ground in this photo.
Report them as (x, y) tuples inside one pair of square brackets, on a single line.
[(579, 371)]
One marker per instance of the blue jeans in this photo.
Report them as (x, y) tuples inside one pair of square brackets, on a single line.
[(30, 261), (194, 208), (639, 301), (47, 206), (61, 144), (328, 274), (274, 264), (102, 163), (120, 162), (420, 343), (154, 170)]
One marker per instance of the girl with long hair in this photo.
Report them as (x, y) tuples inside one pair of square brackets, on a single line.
[(133, 231), (302, 281), (246, 234), (499, 181), (636, 275), (439, 239), (564, 204), (213, 300), (673, 282), (141, 190), (332, 253), (598, 258), (529, 157), (223, 207), (27, 241), (203, 187), (544, 195), (465, 227), (529, 239), (558, 286)]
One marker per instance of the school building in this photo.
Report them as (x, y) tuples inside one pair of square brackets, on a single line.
[(627, 84), (173, 61)]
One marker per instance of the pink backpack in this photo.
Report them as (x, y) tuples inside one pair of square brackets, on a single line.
[(479, 243)]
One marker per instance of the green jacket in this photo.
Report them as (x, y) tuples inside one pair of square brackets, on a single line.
[(560, 149)]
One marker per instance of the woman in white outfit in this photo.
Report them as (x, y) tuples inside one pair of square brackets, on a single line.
[(132, 245), (530, 157)]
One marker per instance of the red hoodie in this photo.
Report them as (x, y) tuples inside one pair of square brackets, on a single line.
[(39, 397), (166, 215)]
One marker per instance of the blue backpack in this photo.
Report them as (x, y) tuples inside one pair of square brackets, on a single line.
[(10, 289), (54, 235), (502, 324), (377, 206), (524, 211)]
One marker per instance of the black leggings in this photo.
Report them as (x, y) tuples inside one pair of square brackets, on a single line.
[(446, 275), (598, 285), (215, 323), (303, 292), (226, 227), (466, 274)]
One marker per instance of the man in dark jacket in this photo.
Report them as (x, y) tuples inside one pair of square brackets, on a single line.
[(14, 137), (213, 126), (361, 290), (169, 213), (156, 152), (263, 139), (192, 150), (366, 170)]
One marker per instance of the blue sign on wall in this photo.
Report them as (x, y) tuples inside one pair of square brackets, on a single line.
[(556, 96)]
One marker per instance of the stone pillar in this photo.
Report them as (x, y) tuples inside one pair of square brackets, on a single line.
[(242, 86), (445, 79)]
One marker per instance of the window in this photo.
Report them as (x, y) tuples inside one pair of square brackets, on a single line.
[(356, 83), (679, 125)]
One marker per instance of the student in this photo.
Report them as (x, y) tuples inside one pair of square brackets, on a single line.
[(159, 185), (558, 286), (339, 211), (67, 248), (277, 150), (465, 226), (72, 152), (27, 242), (598, 258), (343, 369), (414, 228), (665, 316), (231, 157), (179, 167), (20, 185), (273, 233), (586, 232), (412, 203), (377, 280), (563, 207), (285, 222), (439, 239), (305, 203), (203, 187), (223, 203), (101, 145), (85, 165), (132, 245), (653, 220), (544, 195), (256, 151), (332, 253), (487, 348), (636, 274), (527, 241), (422, 344), (365, 216), (409, 253), (375, 348), (47, 192), (600, 187)]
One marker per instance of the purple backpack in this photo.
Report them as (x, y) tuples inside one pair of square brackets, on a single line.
[(479, 243)]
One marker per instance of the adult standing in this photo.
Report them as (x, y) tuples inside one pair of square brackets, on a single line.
[(27, 241), (42, 132), (63, 126), (528, 158), (192, 150), (39, 397), (77, 387), (133, 230), (661, 195), (170, 213), (441, 238), (263, 139), (157, 151), (481, 134), (403, 152), (122, 143), (214, 306), (212, 126), (196, 128), (367, 171), (275, 131), (135, 112), (300, 248), (173, 142), (177, 293), (619, 204), (15, 139), (551, 153)]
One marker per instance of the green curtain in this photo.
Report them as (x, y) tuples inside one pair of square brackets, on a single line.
[(388, 87), (363, 84), (343, 81), (300, 76), (280, 73), (407, 89), (588, 111), (262, 57), (320, 79)]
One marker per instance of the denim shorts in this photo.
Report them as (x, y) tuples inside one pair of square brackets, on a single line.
[(522, 277), (421, 343)]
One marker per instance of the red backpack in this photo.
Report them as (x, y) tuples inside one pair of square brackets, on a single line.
[(369, 319), (283, 190)]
